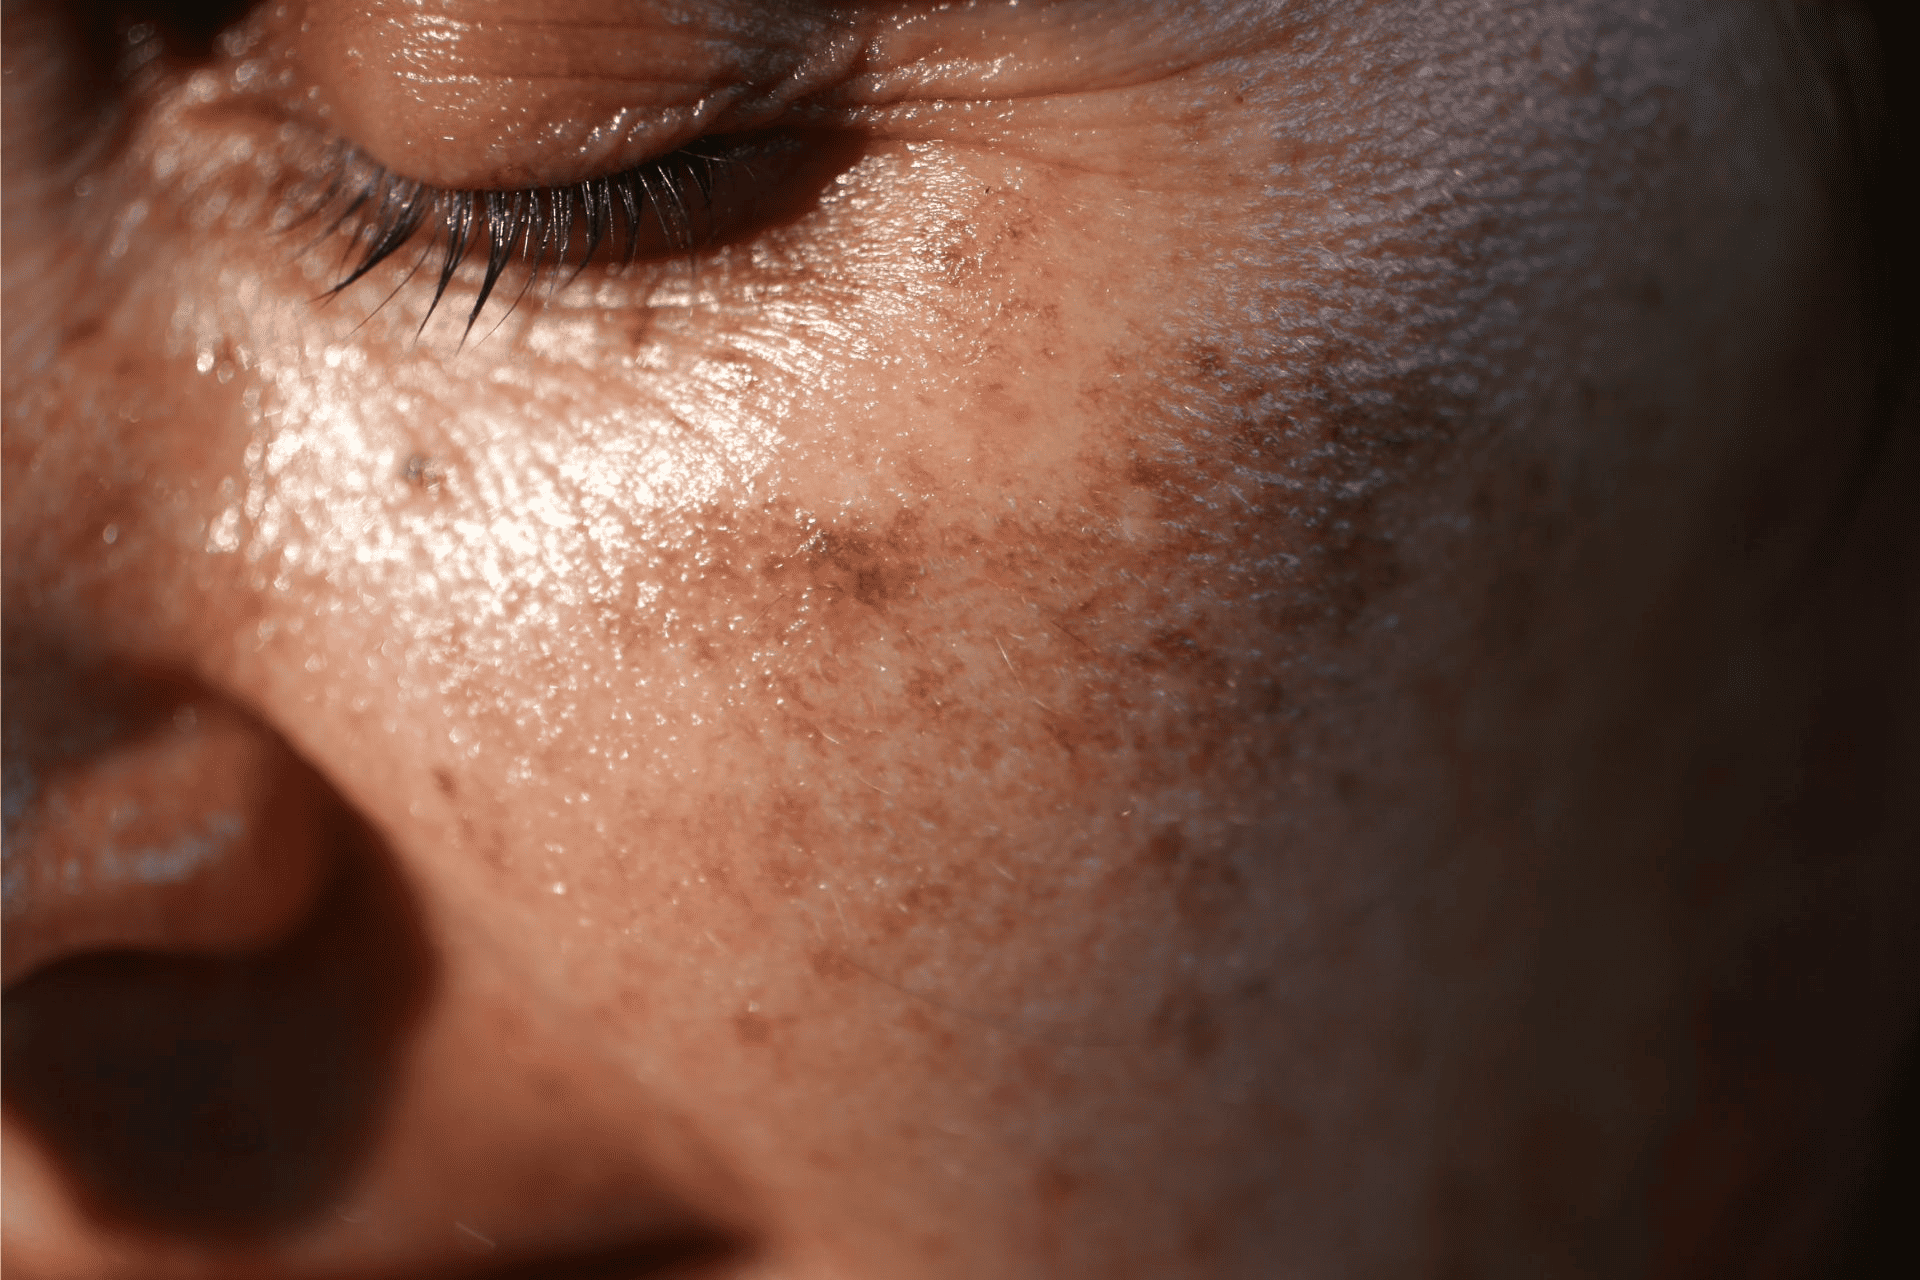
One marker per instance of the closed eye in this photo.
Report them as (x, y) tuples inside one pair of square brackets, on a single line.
[(512, 149), (706, 195)]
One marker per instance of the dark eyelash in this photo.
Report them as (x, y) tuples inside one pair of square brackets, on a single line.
[(665, 205)]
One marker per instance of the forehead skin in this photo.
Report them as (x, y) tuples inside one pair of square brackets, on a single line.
[(1163, 684)]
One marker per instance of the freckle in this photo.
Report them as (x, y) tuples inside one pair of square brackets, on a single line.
[(1164, 848), (752, 1028), (831, 964), (1054, 1185), (1186, 1020), (1146, 473), (928, 900), (444, 781)]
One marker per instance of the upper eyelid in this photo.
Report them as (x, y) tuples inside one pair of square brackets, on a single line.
[(502, 107), (515, 100), (430, 206)]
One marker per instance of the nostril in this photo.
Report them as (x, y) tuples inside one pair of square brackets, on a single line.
[(212, 965), (159, 818), (224, 1100)]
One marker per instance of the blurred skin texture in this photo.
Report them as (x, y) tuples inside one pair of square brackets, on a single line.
[(1256, 640)]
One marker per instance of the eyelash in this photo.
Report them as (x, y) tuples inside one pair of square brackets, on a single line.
[(381, 213)]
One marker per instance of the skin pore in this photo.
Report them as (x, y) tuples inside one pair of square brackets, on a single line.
[(1248, 641)]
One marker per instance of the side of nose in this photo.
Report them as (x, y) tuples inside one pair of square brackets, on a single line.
[(146, 813), (211, 968)]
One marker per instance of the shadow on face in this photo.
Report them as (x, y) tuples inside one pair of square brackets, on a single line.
[(228, 1096)]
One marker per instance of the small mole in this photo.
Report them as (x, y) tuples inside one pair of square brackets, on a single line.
[(444, 781), (831, 964), (423, 474)]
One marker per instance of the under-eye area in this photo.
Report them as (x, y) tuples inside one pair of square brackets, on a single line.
[(698, 200)]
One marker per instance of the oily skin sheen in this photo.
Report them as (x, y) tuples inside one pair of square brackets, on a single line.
[(1216, 665)]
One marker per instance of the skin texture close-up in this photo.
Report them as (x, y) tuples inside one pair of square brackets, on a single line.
[(1124, 639)]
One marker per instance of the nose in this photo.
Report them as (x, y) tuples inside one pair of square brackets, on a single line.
[(146, 813), (210, 968)]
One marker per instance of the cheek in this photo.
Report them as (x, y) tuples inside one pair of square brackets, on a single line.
[(831, 679), (905, 607), (939, 605)]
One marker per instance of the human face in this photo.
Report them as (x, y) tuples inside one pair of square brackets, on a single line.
[(1156, 677)]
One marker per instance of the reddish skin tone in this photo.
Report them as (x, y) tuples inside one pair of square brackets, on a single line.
[(1270, 663)]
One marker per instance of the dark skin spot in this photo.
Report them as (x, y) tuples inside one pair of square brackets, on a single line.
[(930, 899), (1151, 473), (81, 333), (1204, 361), (1204, 884), (992, 400), (752, 1029), (939, 1038), (423, 474), (1054, 1184), (855, 563), (1163, 647), (832, 965), (1186, 1021)]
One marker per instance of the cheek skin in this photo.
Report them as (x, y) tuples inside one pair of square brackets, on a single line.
[(1041, 699), (722, 674)]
